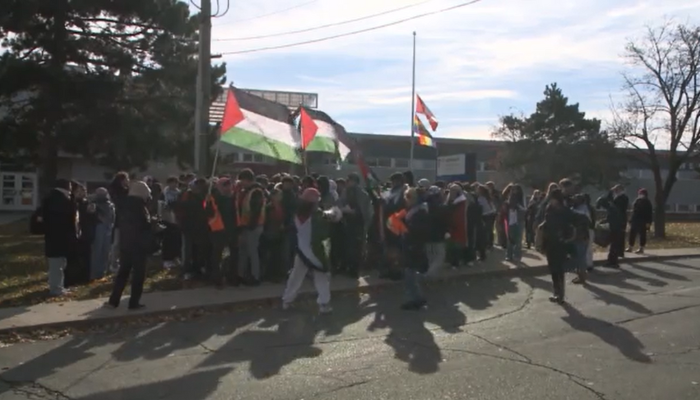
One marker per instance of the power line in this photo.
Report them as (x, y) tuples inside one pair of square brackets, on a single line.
[(374, 28), (315, 28), (269, 14), (228, 7), (195, 5)]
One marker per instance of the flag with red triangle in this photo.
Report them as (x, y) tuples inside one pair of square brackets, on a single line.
[(308, 128), (421, 108), (259, 125)]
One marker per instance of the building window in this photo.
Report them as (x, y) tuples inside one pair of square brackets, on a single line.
[(258, 158), (384, 162), (683, 208), (247, 157), (400, 163), (230, 158), (424, 164), (669, 207)]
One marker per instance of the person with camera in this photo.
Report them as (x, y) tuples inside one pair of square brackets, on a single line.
[(135, 245)]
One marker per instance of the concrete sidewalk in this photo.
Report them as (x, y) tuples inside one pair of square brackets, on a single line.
[(88, 312)]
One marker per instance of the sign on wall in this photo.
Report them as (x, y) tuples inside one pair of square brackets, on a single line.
[(451, 165)]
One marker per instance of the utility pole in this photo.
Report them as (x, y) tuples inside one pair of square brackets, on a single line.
[(203, 98)]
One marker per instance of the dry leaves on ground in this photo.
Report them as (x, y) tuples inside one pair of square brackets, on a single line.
[(23, 272)]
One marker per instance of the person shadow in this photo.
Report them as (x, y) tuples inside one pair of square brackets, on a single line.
[(614, 335), (196, 385)]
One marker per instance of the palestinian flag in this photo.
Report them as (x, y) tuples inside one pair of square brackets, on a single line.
[(259, 125), (421, 108), (424, 137), (321, 133)]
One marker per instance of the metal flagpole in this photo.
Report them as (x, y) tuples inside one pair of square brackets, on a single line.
[(213, 169), (413, 103)]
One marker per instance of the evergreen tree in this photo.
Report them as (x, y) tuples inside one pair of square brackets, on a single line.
[(113, 81), (557, 141)]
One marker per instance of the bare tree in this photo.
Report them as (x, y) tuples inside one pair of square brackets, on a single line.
[(662, 106)]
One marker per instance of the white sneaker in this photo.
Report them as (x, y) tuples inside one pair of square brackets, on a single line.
[(325, 308), (640, 251)]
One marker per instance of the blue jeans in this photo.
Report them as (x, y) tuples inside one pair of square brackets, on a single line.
[(101, 247), (515, 243), (581, 257), (56, 267), (411, 279)]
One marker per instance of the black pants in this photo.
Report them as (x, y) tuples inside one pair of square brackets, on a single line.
[(78, 264), (555, 262), (172, 242), (275, 257), (201, 251), (617, 246), (337, 253), (489, 225), (134, 263), (352, 250), (214, 266), (638, 228)]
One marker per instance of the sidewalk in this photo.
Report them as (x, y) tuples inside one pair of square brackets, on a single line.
[(87, 312)]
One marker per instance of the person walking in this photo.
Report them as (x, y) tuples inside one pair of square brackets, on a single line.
[(642, 217)]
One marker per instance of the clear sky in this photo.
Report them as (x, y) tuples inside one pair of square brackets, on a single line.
[(473, 64)]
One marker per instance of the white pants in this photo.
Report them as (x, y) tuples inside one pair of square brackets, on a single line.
[(436, 258), (589, 253), (322, 282)]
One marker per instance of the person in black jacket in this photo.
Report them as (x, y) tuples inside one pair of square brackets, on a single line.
[(118, 190), (78, 269), (413, 240), (621, 202), (616, 221), (135, 244), (438, 214), (642, 217), (59, 219), (559, 232)]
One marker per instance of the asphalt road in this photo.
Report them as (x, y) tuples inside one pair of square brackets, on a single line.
[(631, 334)]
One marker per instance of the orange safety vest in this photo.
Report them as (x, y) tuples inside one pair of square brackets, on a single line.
[(395, 223), (216, 223), (243, 213)]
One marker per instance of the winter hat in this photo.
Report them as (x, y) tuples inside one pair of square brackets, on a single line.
[(101, 193), (311, 195), (433, 190), (643, 192), (424, 183), (139, 189)]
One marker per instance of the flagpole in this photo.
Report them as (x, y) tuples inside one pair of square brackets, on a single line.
[(213, 169), (413, 103)]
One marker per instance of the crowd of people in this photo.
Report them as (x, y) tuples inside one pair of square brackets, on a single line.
[(247, 229)]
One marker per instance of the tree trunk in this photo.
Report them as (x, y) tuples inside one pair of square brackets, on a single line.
[(55, 87), (660, 217)]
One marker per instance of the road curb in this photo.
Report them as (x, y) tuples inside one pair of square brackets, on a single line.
[(195, 311)]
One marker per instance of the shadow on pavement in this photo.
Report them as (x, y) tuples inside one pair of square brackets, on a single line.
[(614, 335)]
